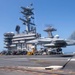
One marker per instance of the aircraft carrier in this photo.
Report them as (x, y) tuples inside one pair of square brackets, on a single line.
[(21, 56), (27, 42)]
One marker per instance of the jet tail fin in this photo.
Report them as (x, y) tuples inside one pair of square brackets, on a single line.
[(72, 37)]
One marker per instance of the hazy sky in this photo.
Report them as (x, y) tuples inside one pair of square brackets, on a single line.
[(59, 13)]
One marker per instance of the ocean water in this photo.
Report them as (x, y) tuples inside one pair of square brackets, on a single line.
[(69, 49)]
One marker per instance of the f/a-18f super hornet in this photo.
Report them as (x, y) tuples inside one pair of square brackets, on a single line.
[(52, 42)]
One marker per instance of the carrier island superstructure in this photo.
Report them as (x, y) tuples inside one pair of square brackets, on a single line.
[(17, 41)]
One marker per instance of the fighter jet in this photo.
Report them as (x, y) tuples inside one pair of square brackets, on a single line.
[(52, 41), (49, 42)]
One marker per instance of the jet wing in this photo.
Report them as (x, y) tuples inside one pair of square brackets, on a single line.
[(44, 40), (53, 45), (49, 45)]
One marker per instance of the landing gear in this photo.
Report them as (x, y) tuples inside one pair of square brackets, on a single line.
[(59, 51), (53, 51)]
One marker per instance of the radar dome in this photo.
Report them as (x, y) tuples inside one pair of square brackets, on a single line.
[(12, 32), (56, 36)]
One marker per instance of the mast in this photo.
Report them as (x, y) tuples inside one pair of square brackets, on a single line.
[(28, 17)]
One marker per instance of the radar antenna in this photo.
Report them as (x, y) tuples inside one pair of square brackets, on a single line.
[(49, 29)]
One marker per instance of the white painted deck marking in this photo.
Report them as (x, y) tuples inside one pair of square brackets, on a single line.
[(72, 59)]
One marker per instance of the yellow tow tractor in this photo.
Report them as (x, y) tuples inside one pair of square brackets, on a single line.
[(32, 51)]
